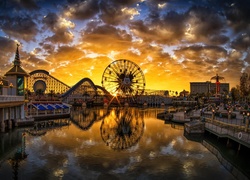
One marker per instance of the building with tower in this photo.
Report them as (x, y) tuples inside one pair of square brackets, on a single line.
[(16, 76), (12, 87)]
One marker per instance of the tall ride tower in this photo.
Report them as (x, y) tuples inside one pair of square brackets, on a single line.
[(217, 79), (16, 75)]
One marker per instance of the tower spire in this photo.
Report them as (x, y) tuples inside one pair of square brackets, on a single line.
[(17, 61), (16, 68)]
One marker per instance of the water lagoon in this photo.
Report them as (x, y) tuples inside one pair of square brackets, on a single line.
[(112, 144)]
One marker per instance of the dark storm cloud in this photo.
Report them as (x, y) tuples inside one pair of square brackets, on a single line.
[(48, 48), (237, 13), (60, 27), (65, 53), (108, 30), (7, 5), (7, 49), (7, 45), (204, 23), (32, 61), (106, 38), (51, 20), (22, 27), (29, 4), (209, 54), (112, 12), (242, 42), (218, 39), (174, 22), (113, 15), (167, 30), (61, 36), (109, 11), (81, 10)]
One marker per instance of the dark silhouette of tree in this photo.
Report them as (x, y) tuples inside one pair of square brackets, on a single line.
[(235, 94), (244, 85), (166, 93)]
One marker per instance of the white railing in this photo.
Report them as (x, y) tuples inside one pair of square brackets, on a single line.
[(9, 98)]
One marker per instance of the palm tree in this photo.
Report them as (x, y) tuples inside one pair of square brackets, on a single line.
[(166, 93)]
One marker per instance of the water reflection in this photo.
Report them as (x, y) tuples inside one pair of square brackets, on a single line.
[(123, 128), (84, 118), (18, 157), (119, 143), (41, 127)]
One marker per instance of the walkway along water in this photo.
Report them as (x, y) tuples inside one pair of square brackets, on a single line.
[(232, 128)]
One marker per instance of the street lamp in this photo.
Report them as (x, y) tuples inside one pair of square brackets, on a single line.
[(11, 86), (213, 114), (229, 115), (247, 122), (244, 120)]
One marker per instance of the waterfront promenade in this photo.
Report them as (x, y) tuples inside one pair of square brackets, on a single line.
[(232, 128)]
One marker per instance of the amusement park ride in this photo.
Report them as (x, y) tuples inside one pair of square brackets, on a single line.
[(123, 78), (217, 79)]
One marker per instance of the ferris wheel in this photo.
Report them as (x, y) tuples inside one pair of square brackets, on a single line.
[(124, 78)]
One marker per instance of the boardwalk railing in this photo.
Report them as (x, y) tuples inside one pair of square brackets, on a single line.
[(7, 98), (231, 130)]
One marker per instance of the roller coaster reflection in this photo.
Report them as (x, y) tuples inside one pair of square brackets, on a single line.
[(84, 118)]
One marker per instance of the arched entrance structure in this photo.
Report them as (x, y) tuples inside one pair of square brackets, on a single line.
[(42, 80)]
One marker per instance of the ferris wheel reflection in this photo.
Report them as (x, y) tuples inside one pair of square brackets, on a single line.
[(123, 128)]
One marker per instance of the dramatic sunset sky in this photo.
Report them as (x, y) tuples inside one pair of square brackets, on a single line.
[(175, 42)]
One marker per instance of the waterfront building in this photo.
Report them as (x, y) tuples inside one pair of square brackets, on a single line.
[(208, 87), (12, 94)]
